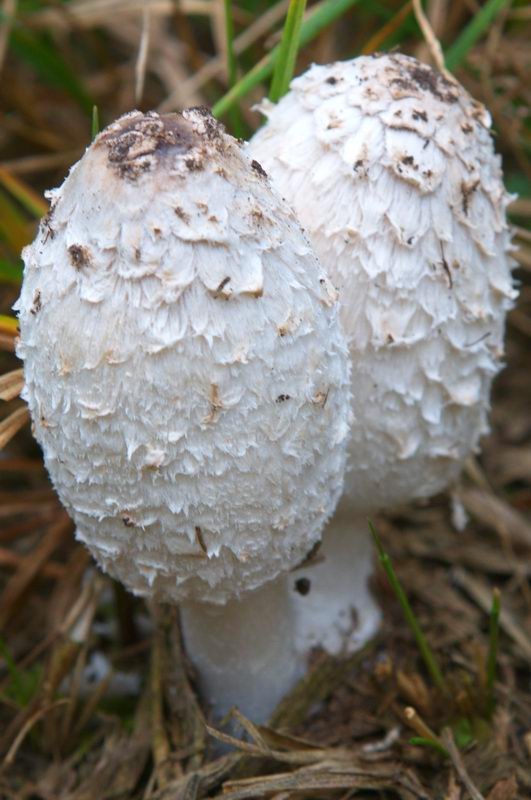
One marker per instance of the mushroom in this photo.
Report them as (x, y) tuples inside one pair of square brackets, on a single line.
[(391, 170), (188, 383)]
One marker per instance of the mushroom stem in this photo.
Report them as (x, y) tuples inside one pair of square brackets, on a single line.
[(244, 652), (337, 611)]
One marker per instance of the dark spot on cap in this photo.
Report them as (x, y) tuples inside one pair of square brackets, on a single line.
[(127, 521), (258, 168), (432, 81), (222, 284), (47, 222), (331, 80), (414, 75), (303, 586), (467, 190), (282, 398), (79, 256), (135, 140), (37, 303), (181, 213), (199, 539), (408, 160), (420, 115)]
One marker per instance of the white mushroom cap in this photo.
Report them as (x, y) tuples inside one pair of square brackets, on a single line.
[(391, 170), (184, 365)]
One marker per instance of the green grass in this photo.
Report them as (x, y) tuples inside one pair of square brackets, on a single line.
[(478, 25), (321, 16), (236, 120), (426, 652), (11, 271), (466, 728), (287, 54), (95, 122), (421, 741)]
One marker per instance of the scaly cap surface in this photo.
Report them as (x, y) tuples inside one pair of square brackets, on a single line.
[(391, 170), (184, 365)]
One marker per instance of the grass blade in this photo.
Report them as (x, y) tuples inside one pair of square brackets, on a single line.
[(456, 54), (387, 30), (492, 655), (424, 648), (14, 228), (10, 272), (229, 34), (95, 124), (8, 325), (287, 55), (27, 197), (421, 741), (320, 17)]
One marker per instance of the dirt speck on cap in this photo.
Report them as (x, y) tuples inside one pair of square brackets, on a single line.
[(79, 256), (258, 168)]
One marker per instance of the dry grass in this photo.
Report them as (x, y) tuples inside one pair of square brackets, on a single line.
[(346, 729)]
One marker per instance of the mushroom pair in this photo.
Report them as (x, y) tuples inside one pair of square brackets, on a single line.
[(188, 378)]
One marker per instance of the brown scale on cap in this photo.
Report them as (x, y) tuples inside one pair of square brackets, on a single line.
[(135, 143), (415, 76)]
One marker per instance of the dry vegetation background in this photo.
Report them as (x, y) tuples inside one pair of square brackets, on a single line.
[(84, 709)]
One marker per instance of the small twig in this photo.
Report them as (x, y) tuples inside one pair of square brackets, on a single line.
[(11, 384), (160, 745), (251, 728), (8, 12), (41, 712), (377, 39), (492, 656), (431, 40), (457, 761), (425, 733), (143, 49), (95, 124), (11, 425), (30, 567)]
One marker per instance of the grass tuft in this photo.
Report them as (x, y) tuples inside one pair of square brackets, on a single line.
[(426, 652)]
